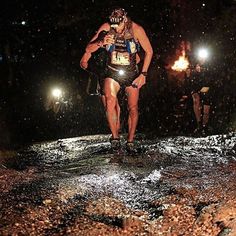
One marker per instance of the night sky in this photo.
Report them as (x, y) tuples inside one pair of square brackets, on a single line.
[(41, 44)]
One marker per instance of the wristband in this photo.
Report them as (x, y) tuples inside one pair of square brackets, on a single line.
[(144, 73)]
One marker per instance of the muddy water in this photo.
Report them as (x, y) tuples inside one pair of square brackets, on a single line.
[(47, 179)]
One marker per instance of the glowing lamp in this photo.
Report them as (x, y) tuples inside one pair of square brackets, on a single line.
[(203, 53), (56, 92), (121, 72)]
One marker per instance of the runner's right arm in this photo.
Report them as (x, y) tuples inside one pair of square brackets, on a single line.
[(95, 43)]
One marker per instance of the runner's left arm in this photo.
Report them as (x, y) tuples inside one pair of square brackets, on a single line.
[(140, 34)]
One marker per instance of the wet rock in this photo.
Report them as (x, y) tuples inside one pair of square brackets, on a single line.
[(204, 224), (107, 206), (225, 215), (47, 201)]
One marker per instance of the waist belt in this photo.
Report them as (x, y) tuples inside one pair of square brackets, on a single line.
[(113, 68)]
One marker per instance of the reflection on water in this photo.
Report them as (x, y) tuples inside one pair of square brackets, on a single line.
[(77, 185), (85, 166)]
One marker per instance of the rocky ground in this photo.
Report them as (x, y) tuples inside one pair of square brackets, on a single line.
[(175, 186)]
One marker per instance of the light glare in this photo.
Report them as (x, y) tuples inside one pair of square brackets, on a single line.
[(56, 92), (121, 72), (203, 53)]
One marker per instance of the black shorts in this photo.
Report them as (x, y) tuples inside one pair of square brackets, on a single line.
[(206, 98), (124, 80), (101, 80), (195, 89)]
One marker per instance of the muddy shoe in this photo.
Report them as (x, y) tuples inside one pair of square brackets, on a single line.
[(115, 144), (130, 148), (197, 132), (205, 131)]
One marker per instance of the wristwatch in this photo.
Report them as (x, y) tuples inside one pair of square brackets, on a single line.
[(144, 73)]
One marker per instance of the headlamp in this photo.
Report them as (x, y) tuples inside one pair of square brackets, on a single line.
[(116, 17), (56, 92), (203, 53), (115, 21)]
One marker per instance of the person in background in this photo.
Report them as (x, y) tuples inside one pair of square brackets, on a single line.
[(197, 86), (122, 40)]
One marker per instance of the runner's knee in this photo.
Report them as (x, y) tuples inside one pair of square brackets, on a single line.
[(110, 102)]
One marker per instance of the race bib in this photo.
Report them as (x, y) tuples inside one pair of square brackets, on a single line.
[(120, 58)]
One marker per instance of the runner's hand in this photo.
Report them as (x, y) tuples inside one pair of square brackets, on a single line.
[(108, 39), (139, 81), (84, 65)]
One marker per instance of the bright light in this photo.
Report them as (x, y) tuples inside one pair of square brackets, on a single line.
[(121, 72), (56, 92), (23, 22), (203, 53)]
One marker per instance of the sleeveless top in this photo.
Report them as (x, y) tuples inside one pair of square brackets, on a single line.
[(122, 54)]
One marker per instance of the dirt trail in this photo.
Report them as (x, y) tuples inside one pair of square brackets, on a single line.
[(175, 186)]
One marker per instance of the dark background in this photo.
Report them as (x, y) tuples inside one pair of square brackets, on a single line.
[(46, 50)]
